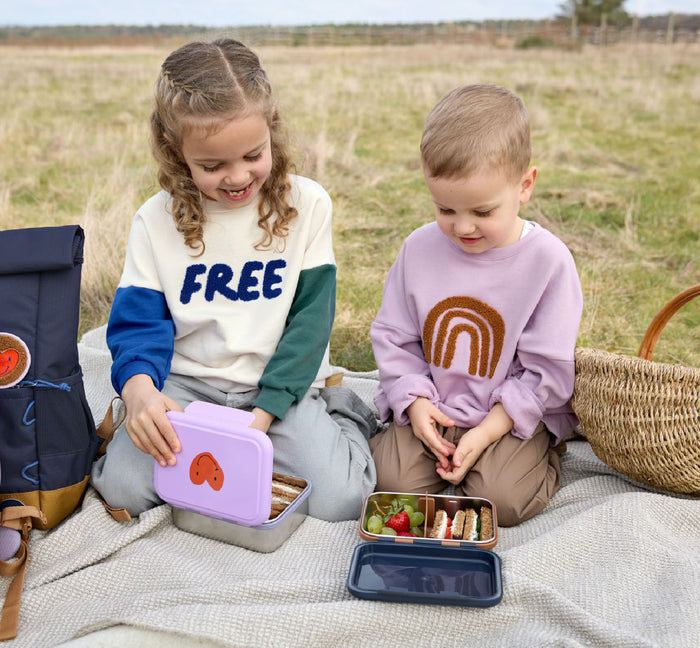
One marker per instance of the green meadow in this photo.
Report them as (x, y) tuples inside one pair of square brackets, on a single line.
[(616, 138)]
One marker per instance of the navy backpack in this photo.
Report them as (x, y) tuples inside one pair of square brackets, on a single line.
[(48, 439)]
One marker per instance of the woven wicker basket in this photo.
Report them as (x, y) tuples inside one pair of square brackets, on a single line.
[(643, 417)]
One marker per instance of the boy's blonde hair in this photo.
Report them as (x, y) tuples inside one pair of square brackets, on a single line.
[(476, 127), (206, 85)]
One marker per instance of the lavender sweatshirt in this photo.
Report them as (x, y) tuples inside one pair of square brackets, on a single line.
[(470, 330)]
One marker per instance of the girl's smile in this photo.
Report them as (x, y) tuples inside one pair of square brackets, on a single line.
[(240, 194), (230, 165)]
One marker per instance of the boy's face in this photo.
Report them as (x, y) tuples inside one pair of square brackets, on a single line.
[(480, 212)]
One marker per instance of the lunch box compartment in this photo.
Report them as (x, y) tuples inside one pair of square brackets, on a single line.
[(428, 505)]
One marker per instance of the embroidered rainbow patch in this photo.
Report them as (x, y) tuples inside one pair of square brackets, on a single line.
[(457, 316)]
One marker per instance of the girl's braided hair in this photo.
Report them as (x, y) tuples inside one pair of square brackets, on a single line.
[(205, 85)]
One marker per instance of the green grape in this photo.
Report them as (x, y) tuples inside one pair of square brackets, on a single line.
[(417, 518), (375, 524), (409, 509), (407, 499), (417, 531), (388, 531)]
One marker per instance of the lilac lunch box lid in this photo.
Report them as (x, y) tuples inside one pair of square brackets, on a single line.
[(224, 469)]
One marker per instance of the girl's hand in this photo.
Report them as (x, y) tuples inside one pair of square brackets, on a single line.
[(262, 421), (425, 418), (146, 423)]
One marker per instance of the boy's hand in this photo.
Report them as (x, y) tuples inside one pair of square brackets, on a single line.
[(469, 449), (146, 423), (425, 418), (262, 421), (496, 424)]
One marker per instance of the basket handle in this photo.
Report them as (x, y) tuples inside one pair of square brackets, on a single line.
[(651, 337)]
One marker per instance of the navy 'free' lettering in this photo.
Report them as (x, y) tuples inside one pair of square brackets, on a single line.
[(254, 279)]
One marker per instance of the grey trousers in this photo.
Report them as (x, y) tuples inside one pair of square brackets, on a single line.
[(323, 439)]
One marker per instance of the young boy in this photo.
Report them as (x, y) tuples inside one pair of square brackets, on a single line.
[(476, 333)]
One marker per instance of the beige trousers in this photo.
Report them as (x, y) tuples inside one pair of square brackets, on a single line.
[(518, 476)]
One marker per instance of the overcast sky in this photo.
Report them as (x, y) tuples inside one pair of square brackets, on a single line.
[(229, 13)]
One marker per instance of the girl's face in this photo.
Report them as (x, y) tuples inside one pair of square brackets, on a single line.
[(231, 164)]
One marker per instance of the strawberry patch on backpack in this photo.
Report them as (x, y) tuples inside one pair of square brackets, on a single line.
[(14, 360)]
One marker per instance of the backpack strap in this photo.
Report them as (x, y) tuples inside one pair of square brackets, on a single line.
[(109, 426), (19, 518), (334, 379), (106, 431), (13, 598), (118, 514)]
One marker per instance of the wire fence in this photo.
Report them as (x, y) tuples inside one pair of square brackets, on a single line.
[(501, 34), (522, 33)]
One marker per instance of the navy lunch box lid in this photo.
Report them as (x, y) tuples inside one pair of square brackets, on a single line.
[(421, 573)]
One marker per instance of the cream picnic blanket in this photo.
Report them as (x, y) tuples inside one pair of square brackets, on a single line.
[(608, 563)]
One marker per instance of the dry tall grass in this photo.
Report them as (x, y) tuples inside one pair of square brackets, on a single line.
[(615, 135)]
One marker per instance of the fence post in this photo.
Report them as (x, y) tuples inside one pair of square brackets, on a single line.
[(604, 29), (634, 36), (574, 27), (669, 29)]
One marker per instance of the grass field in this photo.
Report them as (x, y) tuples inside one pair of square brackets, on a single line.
[(616, 135)]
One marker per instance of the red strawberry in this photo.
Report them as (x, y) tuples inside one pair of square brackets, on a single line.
[(406, 533), (399, 522)]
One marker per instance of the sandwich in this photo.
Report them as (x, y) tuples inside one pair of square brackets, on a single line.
[(486, 531), (285, 490), (458, 525), (464, 525), (441, 525)]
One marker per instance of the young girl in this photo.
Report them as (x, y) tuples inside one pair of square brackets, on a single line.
[(228, 292)]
